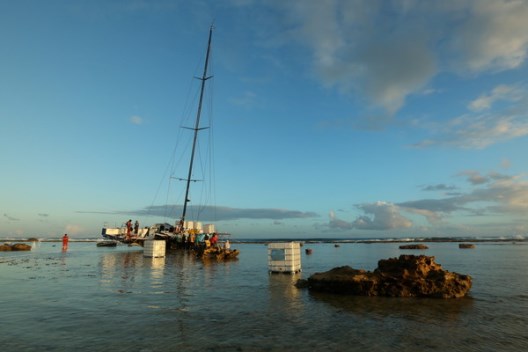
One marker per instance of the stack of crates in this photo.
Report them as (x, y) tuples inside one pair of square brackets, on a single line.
[(188, 225), (284, 257), (154, 249), (209, 228)]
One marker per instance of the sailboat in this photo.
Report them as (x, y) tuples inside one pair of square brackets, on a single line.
[(184, 233)]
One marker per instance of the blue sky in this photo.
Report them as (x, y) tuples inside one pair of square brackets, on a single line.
[(331, 118)]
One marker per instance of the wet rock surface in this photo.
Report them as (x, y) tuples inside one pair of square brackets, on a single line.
[(406, 276), (14, 247), (466, 246), (414, 246)]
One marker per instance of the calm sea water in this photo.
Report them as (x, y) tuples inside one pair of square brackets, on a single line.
[(114, 299)]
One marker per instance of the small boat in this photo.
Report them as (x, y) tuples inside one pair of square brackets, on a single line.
[(308, 251), (109, 243)]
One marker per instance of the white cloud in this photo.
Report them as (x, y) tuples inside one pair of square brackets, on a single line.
[(216, 213), (336, 223), (10, 218), (246, 99), (501, 92), (72, 229), (389, 82), (493, 35), (474, 177), (357, 47), (507, 195), (388, 50), (438, 187), (480, 131), (136, 120), (379, 216), (483, 124), (493, 194)]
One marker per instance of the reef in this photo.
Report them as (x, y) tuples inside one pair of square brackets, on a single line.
[(414, 246), (466, 245), (14, 247), (406, 276)]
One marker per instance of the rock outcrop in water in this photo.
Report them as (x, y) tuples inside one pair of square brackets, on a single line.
[(414, 246), (406, 276), (466, 245), (14, 247)]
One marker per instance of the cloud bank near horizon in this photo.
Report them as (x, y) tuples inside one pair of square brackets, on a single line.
[(491, 194), (212, 213)]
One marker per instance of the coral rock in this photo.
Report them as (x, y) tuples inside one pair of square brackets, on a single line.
[(406, 276), (466, 245), (15, 247), (414, 246)]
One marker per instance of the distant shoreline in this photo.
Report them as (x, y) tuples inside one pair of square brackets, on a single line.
[(317, 240)]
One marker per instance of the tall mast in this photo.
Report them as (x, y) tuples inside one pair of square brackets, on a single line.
[(197, 125)]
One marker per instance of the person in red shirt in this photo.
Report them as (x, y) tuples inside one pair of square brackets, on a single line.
[(214, 240), (129, 228), (65, 242)]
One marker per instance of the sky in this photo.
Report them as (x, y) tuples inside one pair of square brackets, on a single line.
[(328, 118)]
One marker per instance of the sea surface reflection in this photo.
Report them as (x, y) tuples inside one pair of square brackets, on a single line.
[(102, 299)]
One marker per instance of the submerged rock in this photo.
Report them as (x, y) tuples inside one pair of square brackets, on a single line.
[(14, 247), (414, 246), (218, 253), (21, 247), (5, 247), (406, 276), (466, 245)]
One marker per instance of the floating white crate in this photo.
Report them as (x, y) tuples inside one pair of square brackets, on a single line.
[(155, 249), (284, 257)]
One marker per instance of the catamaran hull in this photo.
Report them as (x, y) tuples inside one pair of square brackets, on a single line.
[(120, 234)]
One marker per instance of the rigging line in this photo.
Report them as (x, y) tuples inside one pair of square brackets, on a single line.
[(173, 162), (212, 175), (167, 201), (206, 162), (207, 194)]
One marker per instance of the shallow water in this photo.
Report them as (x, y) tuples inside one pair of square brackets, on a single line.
[(103, 299)]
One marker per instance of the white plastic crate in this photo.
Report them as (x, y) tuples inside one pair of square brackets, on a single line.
[(284, 257), (155, 249), (209, 228)]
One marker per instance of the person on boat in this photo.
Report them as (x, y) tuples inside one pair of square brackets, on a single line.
[(136, 227), (128, 228), (184, 241), (227, 245), (178, 239), (65, 240), (214, 240), (191, 239), (179, 227), (207, 242), (200, 239)]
